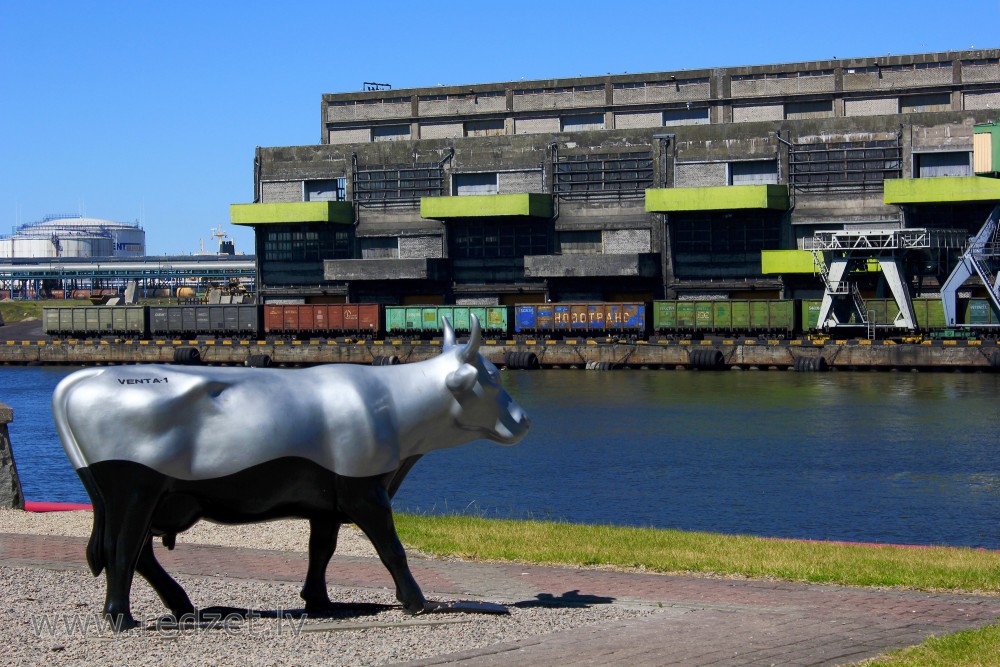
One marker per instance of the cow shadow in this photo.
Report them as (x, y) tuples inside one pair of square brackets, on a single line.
[(571, 599), (221, 618)]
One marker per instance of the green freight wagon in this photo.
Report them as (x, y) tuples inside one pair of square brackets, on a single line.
[(980, 312), (91, 321), (775, 316), (722, 315), (400, 320), (686, 318), (740, 310), (929, 313), (810, 314), (664, 316)]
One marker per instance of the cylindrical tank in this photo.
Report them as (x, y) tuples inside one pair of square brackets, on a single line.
[(75, 236), (128, 241)]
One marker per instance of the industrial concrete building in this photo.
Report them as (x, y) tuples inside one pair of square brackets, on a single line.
[(636, 186)]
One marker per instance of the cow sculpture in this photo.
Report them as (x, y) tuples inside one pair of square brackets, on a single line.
[(160, 447)]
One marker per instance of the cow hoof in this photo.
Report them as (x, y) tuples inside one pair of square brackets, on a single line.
[(120, 622), (183, 612), (431, 605), (419, 607), (320, 607)]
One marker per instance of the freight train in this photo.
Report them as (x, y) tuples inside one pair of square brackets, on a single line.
[(764, 318)]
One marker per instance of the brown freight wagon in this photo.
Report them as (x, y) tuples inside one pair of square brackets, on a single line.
[(312, 320)]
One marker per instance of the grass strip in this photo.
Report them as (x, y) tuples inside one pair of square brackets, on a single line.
[(18, 311), (670, 551), (950, 569), (968, 648)]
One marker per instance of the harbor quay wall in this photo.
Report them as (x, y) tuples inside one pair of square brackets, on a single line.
[(749, 353)]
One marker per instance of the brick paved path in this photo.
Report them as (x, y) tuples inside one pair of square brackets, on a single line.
[(699, 621)]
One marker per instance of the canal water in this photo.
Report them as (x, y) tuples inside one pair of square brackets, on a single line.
[(908, 458)]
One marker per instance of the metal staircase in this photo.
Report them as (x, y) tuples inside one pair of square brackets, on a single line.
[(852, 249), (842, 288), (979, 258)]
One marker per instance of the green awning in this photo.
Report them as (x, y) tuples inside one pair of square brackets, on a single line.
[(326, 212), (787, 261), (483, 206), (725, 198), (942, 190)]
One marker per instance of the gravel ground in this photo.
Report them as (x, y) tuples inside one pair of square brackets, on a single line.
[(52, 616)]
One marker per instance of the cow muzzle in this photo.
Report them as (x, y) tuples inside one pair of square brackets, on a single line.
[(512, 425)]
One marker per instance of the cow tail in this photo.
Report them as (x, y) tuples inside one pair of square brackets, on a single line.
[(95, 552)]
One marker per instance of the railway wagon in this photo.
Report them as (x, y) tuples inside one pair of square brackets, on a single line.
[(241, 321), (979, 312), (735, 316), (313, 320), (401, 320), (96, 321), (580, 318), (929, 313)]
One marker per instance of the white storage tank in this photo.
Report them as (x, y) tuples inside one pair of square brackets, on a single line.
[(76, 236)]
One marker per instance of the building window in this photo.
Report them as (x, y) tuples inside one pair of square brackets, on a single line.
[(850, 165), (815, 109), (388, 183), (474, 184), (722, 244), (950, 163), (334, 189), (579, 123), (616, 174), (391, 133), (379, 247), (484, 128), (688, 116), (753, 172), (928, 102), (305, 243), (588, 242), (498, 240)]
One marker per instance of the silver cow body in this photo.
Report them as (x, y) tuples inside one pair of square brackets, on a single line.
[(197, 423), (160, 447)]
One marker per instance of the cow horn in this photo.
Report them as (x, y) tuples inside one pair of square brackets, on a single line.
[(449, 333), (475, 338)]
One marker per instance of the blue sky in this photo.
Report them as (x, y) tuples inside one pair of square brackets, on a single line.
[(150, 112)]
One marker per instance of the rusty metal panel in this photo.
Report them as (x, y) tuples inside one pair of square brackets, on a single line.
[(368, 317)]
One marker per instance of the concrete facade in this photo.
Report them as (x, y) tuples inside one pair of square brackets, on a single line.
[(827, 134)]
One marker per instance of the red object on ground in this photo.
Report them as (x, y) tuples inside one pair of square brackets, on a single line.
[(30, 506)]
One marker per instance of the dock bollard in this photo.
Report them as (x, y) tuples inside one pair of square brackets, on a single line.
[(10, 484)]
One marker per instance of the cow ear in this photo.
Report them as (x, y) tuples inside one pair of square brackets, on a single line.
[(449, 333), (462, 379)]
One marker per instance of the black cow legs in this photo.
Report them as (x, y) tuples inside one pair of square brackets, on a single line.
[(366, 502), (126, 527), (124, 536), (322, 544), (170, 592)]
